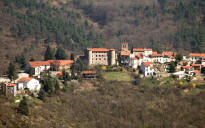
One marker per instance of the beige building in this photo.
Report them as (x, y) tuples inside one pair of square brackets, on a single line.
[(101, 56)]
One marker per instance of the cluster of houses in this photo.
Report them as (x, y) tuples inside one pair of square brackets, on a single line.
[(142, 59), (146, 61)]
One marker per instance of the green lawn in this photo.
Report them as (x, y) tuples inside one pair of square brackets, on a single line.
[(117, 76)]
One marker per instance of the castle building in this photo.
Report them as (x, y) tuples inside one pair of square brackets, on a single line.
[(101, 56)]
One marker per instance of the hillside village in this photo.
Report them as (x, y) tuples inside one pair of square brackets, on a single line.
[(141, 61)]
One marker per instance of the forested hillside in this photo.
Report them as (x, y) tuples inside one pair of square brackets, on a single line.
[(28, 26), (178, 24)]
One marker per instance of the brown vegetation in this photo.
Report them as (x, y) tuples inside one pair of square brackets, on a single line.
[(115, 104)]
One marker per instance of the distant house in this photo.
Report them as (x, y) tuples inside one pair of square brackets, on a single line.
[(61, 64), (134, 62), (144, 52), (147, 69), (28, 82), (36, 67), (89, 74), (163, 57), (188, 70), (193, 57), (124, 58), (197, 66), (10, 89)]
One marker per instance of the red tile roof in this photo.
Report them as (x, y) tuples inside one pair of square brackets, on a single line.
[(147, 64), (197, 54), (98, 49), (10, 84), (141, 50), (196, 65), (155, 54), (62, 62), (187, 67), (169, 53), (124, 54), (24, 79), (139, 56), (89, 72), (133, 58), (34, 64)]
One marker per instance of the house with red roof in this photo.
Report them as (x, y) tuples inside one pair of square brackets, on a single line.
[(10, 89), (36, 67), (29, 83), (164, 57), (193, 57), (147, 69), (140, 51), (89, 74)]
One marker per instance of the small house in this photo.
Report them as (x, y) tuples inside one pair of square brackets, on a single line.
[(89, 74), (29, 83), (10, 89), (147, 69)]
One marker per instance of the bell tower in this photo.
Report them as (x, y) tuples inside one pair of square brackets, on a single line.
[(124, 46)]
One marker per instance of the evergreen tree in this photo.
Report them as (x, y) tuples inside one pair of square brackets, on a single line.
[(72, 56), (12, 72), (21, 60), (60, 54), (172, 67), (42, 95), (48, 54), (23, 107)]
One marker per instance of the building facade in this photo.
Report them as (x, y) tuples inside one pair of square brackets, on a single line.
[(147, 69), (101, 56), (30, 83)]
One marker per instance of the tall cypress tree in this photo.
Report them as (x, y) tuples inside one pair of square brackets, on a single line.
[(48, 54)]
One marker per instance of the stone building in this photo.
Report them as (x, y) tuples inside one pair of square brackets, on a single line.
[(101, 56)]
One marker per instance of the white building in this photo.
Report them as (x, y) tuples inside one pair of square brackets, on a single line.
[(36, 67), (147, 69), (134, 62), (164, 57), (144, 52), (28, 82), (193, 57)]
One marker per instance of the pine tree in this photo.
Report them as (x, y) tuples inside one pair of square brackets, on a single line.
[(172, 67), (48, 54), (60, 54), (42, 95), (23, 107)]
